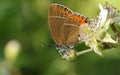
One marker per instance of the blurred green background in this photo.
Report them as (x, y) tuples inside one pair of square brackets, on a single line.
[(25, 41)]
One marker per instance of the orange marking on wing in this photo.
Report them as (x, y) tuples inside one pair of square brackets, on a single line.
[(79, 19), (67, 13)]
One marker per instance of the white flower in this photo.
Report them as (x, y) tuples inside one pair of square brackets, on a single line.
[(102, 16)]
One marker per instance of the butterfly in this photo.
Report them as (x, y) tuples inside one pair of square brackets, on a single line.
[(65, 28)]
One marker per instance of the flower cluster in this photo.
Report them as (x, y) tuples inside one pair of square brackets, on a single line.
[(97, 31), (108, 15)]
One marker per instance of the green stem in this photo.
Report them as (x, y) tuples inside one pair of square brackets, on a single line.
[(83, 52)]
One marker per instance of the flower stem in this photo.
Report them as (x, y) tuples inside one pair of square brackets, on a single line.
[(83, 52)]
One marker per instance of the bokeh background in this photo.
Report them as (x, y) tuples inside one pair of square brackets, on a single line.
[(26, 45)]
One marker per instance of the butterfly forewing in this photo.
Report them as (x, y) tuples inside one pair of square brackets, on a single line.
[(57, 15)]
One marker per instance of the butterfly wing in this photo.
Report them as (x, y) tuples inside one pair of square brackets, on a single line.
[(64, 25), (73, 25), (57, 15)]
